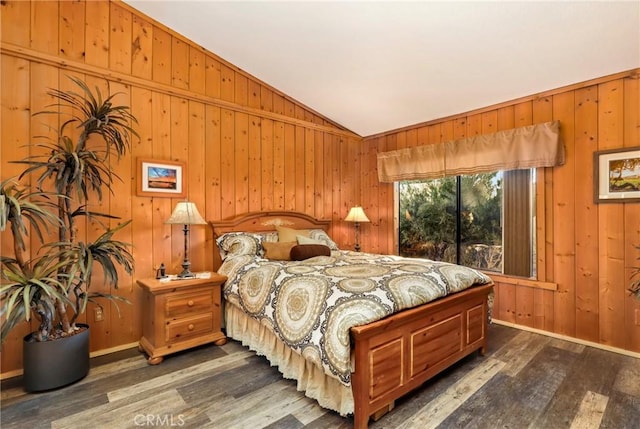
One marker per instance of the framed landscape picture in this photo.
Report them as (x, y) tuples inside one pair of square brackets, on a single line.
[(617, 175), (161, 178)]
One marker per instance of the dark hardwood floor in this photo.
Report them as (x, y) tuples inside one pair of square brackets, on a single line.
[(525, 380)]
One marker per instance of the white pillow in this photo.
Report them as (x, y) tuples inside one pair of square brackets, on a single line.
[(306, 240), (321, 236)]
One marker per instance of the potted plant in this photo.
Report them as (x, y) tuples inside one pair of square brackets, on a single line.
[(53, 284)]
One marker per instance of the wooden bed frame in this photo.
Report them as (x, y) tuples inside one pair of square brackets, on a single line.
[(397, 354)]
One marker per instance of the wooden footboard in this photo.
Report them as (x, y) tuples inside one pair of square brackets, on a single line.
[(395, 355)]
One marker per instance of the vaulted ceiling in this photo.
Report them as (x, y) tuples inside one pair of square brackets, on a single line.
[(377, 66)]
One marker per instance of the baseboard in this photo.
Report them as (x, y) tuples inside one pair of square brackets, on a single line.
[(17, 372), (113, 349), (10, 374), (570, 339)]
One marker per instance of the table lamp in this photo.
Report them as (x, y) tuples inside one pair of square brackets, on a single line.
[(356, 215), (186, 213)]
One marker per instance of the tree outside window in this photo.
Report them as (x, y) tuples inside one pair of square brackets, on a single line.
[(462, 220)]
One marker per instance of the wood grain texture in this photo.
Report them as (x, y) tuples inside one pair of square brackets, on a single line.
[(564, 216), (559, 386), (142, 48), (611, 223), (591, 411), (72, 30), (14, 22), (44, 17), (96, 49), (432, 415), (587, 296), (582, 247), (631, 136), (161, 56), (120, 39), (15, 99), (125, 318), (237, 156), (122, 45)]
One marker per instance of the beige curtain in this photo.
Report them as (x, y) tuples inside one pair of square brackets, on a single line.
[(518, 148)]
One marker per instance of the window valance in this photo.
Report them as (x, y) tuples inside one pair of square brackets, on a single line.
[(519, 148)]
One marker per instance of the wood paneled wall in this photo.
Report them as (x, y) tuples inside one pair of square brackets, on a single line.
[(585, 251), (247, 147)]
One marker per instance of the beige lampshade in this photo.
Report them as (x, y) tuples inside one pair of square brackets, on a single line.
[(356, 214), (186, 213)]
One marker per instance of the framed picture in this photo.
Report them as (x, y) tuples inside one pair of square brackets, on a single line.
[(617, 175), (161, 178)]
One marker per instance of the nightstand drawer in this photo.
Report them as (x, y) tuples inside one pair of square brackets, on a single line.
[(189, 327), (180, 314), (189, 303)]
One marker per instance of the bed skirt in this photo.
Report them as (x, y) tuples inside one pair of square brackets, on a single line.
[(328, 391)]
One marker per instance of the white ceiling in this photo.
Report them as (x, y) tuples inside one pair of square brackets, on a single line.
[(377, 66)]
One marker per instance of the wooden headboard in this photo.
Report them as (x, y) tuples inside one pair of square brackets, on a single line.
[(263, 222)]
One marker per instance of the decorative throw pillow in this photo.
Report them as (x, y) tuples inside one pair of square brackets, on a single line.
[(301, 252), (238, 243), (271, 236), (289, 234), (278, 251), (301, 239), (322, 236)]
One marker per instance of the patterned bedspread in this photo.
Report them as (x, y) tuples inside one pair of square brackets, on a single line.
[(311, 305)]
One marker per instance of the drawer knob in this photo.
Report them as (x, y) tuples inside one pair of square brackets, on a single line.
[(190, 303), (190, 327)]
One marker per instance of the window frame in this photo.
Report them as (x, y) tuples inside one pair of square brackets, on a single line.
[(535, 206)]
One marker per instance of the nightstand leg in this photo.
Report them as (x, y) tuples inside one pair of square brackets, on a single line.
[(220, 342), (155, 360)]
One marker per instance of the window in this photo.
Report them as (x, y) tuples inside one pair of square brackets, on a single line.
[(484, 221)]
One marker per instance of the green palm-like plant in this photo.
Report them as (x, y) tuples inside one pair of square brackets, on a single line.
[(18, 205), (66, 178), (34, 286)]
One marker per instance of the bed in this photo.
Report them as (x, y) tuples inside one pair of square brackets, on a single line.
[(355, 360)]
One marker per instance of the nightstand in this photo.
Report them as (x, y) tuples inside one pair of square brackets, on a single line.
[(180, 314)]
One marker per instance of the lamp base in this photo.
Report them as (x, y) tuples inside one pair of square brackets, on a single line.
[(357, 237), (186, 272)]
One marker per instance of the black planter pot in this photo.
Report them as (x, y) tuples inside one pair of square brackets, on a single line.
[(52, 364)]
